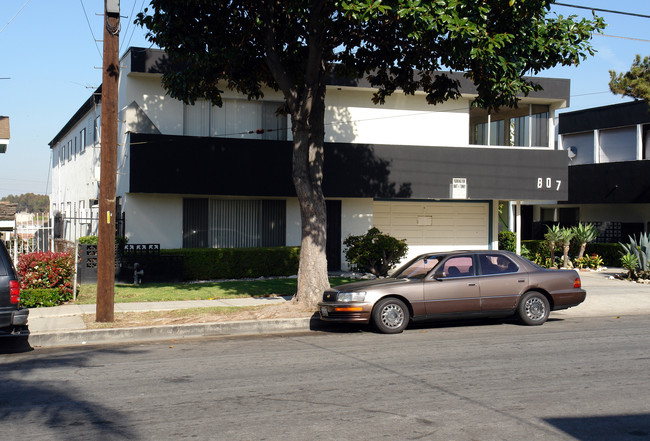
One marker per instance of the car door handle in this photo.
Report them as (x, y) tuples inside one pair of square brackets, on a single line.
[(471, 284), (521, 280)]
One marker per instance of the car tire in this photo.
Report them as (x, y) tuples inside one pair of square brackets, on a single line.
[(533, 308), (390, 316)]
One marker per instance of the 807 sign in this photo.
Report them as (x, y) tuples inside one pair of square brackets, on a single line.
[(549, 184)]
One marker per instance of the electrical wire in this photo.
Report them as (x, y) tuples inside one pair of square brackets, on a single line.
[(632, 14), (15, 15), (91, 29)]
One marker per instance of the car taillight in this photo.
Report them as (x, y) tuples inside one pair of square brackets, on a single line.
[(577, 283), (14, 292)]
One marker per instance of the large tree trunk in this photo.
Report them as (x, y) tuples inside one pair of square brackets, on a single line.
[(308, 128)]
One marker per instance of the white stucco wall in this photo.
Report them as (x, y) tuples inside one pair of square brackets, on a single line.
[(75, 180), (402, 120), (154, 219)]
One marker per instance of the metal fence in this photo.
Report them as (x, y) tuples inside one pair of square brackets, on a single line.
[(33, 233)]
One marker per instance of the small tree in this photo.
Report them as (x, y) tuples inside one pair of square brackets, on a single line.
[(507, 241), (374, 252), (583, 234), (566, 234), (553, 236)]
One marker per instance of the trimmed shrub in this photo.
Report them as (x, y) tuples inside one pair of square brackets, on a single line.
[(43, 297), (47, 270), (507, 241), (237, 263), (374, 252)]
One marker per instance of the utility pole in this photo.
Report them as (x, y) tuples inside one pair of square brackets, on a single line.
[(108, 167)]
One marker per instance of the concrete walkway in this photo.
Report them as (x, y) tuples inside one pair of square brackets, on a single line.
[(64, 325)]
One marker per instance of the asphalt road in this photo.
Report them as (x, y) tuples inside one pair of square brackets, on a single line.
[(579, 378)]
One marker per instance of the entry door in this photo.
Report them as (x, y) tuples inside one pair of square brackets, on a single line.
[(457, 292), (333, 247)]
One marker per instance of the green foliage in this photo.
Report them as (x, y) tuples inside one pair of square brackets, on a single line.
[(29, 202), (120, 241), (630, 262), (44, 297), (583, 234), (237, 263), (507, 241), (88, 240), (640, 249), (47, 271), (609, 252), (374, 252), (248, 46), (635, 83)]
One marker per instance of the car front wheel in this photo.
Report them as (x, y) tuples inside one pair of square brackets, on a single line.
[(533, 308), (390, 316)]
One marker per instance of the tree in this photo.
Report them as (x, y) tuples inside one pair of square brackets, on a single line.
[(635, 83), (553, 236), (30, 202), (583, 234), (294, 45)]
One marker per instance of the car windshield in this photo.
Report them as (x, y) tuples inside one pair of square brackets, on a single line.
[(417, 268)]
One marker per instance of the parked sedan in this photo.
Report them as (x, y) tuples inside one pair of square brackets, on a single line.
[(13, 318), (455, 284)]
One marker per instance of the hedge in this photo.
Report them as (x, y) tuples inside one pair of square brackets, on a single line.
[(237, 263), (43, 297)]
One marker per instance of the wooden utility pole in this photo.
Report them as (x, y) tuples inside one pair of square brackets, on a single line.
[(108, 169)]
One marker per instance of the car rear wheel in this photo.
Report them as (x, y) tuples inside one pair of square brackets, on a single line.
[(533, 308), (390, 316)]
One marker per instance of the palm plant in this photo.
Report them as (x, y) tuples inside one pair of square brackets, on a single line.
[(583, 234), (553, 236), (566, 234)]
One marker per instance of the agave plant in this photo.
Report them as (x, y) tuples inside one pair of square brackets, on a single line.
[(640, 249), (583, 234)]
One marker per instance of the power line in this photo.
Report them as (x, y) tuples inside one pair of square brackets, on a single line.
[(623, 38), (12, 18), (91, 29), (603, 10)]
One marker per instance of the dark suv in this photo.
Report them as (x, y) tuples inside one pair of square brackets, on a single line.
[(13, 319)]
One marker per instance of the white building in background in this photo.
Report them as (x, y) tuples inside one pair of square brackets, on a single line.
[(203, 176)]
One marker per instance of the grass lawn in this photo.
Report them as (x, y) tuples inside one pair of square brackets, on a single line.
[(159, 292)]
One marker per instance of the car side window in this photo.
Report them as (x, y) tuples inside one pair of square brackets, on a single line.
[(459, 266), (497, 264)]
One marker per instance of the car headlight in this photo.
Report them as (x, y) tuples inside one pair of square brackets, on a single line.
[(350, 296)]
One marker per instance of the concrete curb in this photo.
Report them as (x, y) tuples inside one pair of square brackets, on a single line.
[(167, 332)]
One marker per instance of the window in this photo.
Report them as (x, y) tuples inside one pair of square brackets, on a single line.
[(68, 152), (97, 130), (230, 223), (82, 140), (459, 266), (235, 119), (497, 264), (526, 126)]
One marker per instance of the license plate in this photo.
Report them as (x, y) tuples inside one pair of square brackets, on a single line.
[(323, 311)]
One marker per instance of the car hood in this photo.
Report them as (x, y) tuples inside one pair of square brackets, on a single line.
[(370, 284)]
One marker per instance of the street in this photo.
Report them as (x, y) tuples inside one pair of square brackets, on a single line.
[(578, 378)]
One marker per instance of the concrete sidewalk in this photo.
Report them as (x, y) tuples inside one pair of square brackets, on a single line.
[(64, 325)]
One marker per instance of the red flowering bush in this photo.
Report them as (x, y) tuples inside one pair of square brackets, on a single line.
[(47, 270)]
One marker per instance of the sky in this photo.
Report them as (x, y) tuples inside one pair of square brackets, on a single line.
[(51, 64)]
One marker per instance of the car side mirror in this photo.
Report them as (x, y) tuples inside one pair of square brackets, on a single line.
[(439, 275)]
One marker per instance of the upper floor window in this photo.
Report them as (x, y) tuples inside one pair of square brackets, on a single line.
[(526, 126), (235, 119), (82, 140)]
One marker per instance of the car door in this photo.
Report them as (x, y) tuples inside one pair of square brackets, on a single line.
[(501, 282), (456, 291)]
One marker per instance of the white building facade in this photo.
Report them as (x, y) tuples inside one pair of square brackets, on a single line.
[(204, 176)]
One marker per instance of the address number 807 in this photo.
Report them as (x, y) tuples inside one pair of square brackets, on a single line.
[(547, 183)]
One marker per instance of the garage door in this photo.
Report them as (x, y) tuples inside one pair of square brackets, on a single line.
[(431, 226)]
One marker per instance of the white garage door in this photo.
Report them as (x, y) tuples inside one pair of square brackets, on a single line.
[(435, 226)]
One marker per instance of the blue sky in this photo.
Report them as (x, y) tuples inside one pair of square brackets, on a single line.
[(49, 53)]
